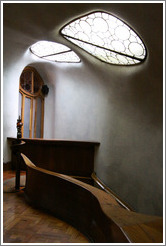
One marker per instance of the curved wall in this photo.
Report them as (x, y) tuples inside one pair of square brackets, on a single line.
[(121, 107)]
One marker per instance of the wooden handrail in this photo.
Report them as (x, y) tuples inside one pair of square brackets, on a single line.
[(57, 141), (17, 144), (109, 191), (91, 210)]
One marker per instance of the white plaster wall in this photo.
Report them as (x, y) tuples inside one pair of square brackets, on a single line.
[(13, 66), (122, 111), (17, 57)]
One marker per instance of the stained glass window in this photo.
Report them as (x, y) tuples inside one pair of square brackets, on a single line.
[(30, 81), (107, 38), (31, 103), (26, 81), (54, 52)]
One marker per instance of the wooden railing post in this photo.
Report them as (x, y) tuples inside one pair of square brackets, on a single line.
[(16, 149), (18, 157), (17, 181)]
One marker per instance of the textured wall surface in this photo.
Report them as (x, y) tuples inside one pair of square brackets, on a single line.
[(121, 107)]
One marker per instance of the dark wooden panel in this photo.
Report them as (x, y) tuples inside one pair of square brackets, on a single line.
[(24, 224), (63, 156), (92, 211), (72, 203), (7, 166)]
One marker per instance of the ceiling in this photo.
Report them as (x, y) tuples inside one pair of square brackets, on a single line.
[(44, 20), (27, 23)]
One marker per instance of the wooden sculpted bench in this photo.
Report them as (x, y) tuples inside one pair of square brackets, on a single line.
[(91, 210)]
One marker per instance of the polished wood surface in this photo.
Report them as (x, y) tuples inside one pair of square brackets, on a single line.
[(16, 147), (94, 212), (75, 158), (99, 184), (23, 223)]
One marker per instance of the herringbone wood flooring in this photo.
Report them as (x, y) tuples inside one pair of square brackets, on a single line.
[(25, 224)]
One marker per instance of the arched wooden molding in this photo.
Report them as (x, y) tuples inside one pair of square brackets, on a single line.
[(99, 184)]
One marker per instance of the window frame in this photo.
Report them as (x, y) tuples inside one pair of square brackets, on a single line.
[(33, 97), (54, 54), (101, 11)]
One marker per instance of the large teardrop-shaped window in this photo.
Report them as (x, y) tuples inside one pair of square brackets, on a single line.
[(107, 38)]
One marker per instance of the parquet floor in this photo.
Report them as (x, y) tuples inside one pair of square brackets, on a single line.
[(10, 174), (25, 224)]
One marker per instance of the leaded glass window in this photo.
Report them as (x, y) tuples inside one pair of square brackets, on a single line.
[(30, 82), (55, 52), (26, 81), (107, 38), (31, 103)]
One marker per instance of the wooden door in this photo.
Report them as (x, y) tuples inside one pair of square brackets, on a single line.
[(31, 103)]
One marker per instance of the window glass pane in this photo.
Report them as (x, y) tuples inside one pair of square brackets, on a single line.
[(70, 56), (55, 52), (26, 81), (38, 119), (19, 104), (27, 116), (37, 84), (33, 118), (45, 48), (106, 37)]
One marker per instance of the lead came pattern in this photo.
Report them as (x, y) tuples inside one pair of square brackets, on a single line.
[(26, 81), (107, 38), (54, 52), (47, 48)]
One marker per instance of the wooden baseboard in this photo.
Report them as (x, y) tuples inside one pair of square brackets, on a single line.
[(102, 186), (7, 166)]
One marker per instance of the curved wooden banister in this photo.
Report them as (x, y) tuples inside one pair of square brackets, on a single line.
[(101, 185), (91, 210)]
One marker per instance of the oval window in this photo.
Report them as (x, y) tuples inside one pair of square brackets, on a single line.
[(107, 38)]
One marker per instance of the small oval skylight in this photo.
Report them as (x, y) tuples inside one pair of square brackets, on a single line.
[(54, 52), (107, 38)]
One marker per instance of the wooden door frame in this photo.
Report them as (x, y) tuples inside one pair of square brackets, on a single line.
[(33, 97)]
